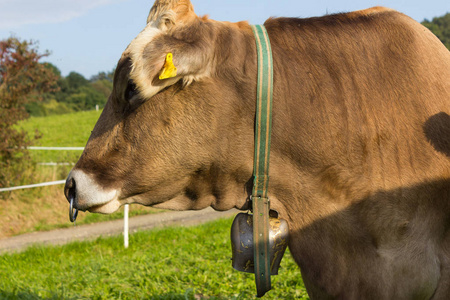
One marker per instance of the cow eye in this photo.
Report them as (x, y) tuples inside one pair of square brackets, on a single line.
[(131, 90)]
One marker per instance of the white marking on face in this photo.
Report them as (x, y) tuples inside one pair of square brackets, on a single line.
[(90, 194), (140, 73)]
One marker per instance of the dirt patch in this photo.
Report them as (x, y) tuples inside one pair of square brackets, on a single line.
[(22, 212)]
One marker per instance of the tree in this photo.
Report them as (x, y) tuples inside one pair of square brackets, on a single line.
[(76, 80), (103, 76), (103, 86), (440, 26), (85, 98), (23, 79), (75, 93)]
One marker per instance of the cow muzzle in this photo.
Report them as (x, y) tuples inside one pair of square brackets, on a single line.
[(84, 193)]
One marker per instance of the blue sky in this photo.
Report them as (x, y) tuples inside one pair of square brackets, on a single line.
[(88, 36)]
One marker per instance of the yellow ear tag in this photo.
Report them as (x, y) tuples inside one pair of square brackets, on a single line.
[(169, 70)]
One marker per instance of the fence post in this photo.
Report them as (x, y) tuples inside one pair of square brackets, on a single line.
[(125, 225)]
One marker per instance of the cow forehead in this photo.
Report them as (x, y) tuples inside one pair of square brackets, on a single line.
[(162, 13), (136, 49), (137, 45)]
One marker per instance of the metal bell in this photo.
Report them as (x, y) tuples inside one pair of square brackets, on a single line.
[(242, 242)]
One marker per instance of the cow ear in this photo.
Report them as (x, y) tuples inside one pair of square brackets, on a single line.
[(165, 14), (167, 60)]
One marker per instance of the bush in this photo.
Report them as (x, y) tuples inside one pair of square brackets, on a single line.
[(23, 79)]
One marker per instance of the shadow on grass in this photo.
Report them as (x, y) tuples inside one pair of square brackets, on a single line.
[(28, 295), (190, 295)]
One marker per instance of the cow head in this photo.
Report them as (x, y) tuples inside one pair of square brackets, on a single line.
[(182, 141)]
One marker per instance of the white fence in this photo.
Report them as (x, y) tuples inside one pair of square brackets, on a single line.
[(30, 186)]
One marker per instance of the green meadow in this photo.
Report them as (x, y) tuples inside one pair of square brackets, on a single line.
[(69, 130), (169, 263)]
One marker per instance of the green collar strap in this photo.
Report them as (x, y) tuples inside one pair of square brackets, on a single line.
[(263, 127)]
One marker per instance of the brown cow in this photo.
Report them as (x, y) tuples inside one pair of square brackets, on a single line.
[(360, 161)]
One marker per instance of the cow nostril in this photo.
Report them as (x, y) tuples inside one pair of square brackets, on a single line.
[(70, 193), (69, 189)]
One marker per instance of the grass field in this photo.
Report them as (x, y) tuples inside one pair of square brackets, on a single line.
[(170, 263), (70, 130)]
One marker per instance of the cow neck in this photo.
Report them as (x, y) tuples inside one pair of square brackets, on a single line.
[(263, 128)]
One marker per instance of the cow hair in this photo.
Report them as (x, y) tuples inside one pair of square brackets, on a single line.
[(166, 13)]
